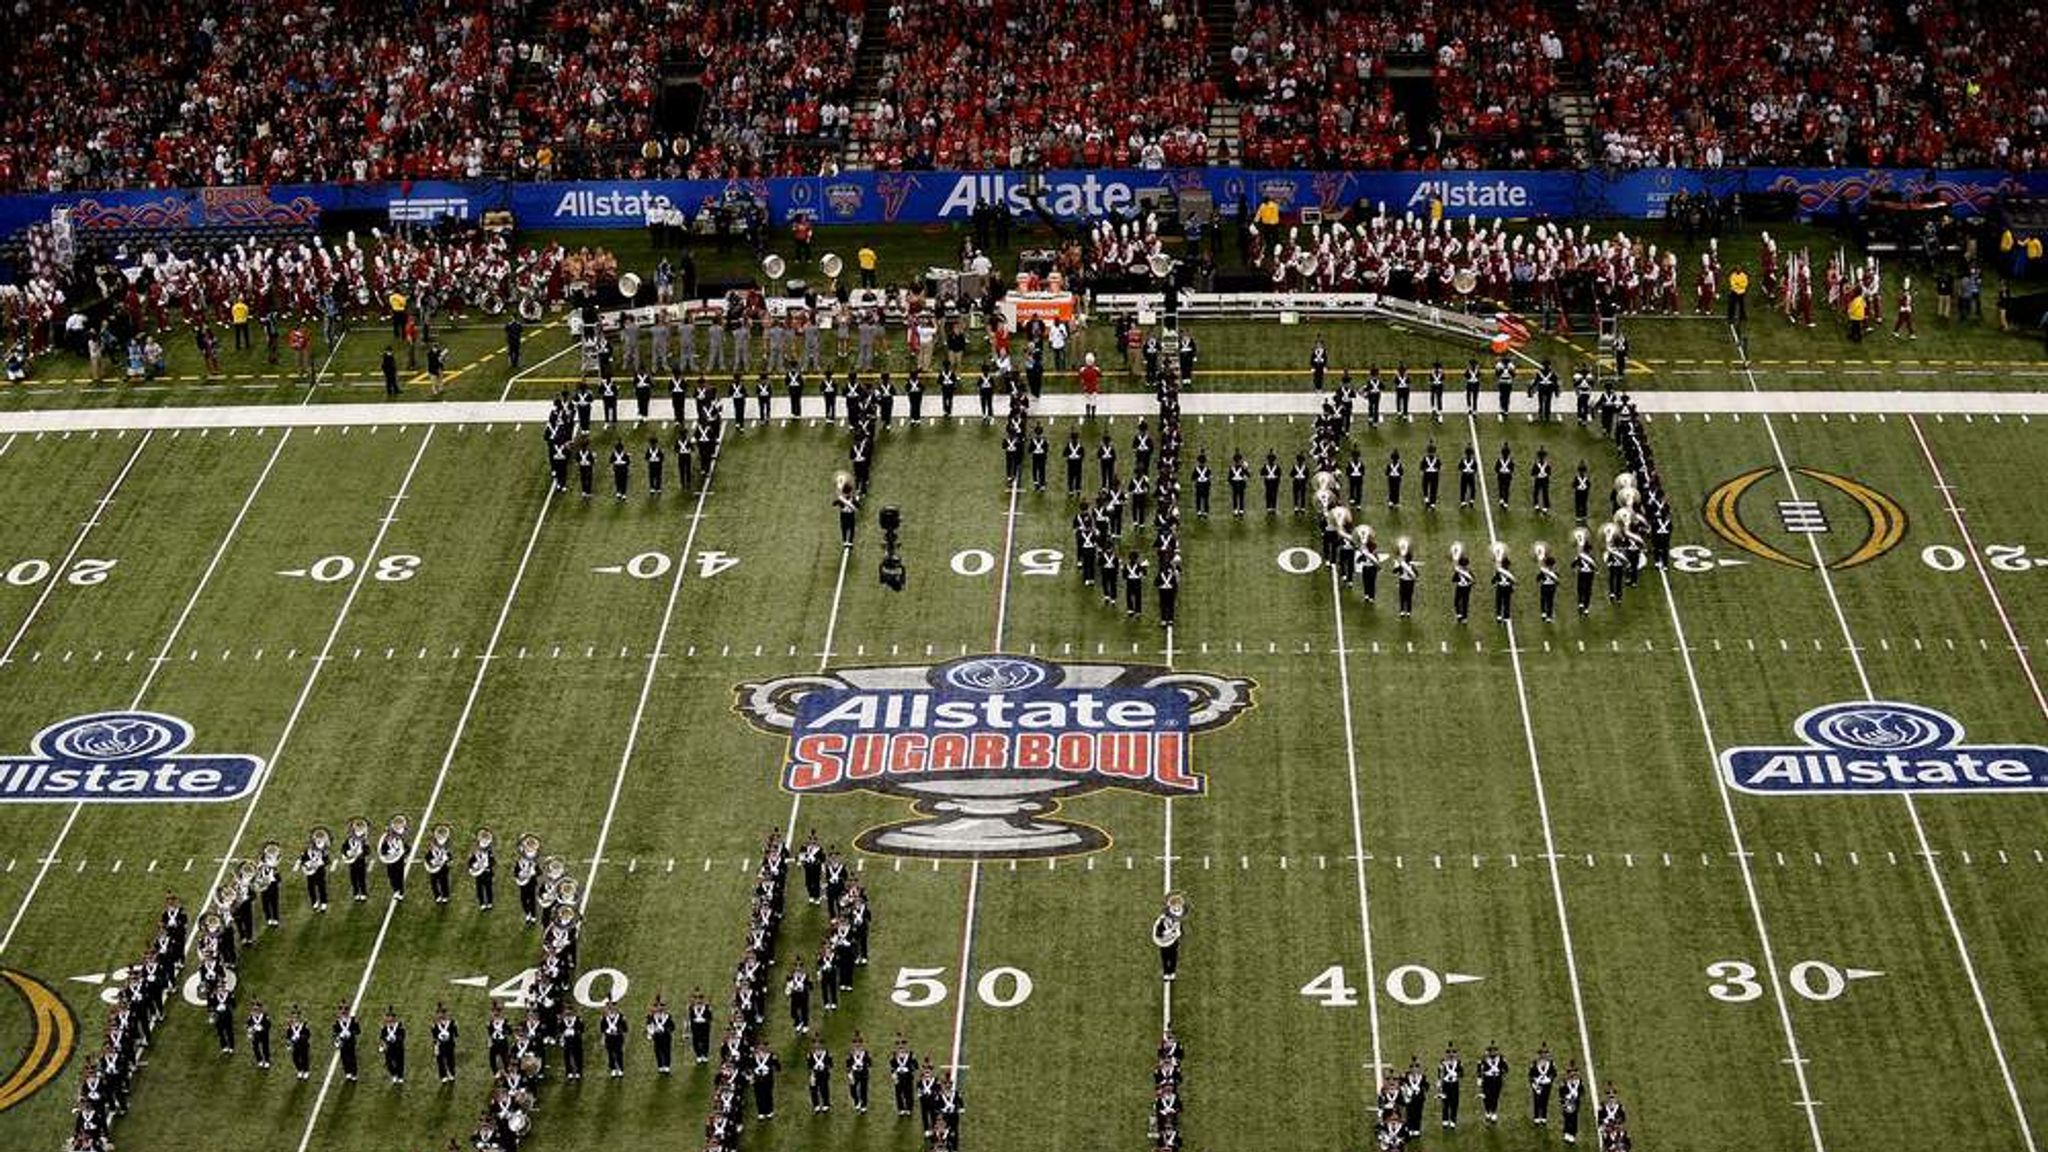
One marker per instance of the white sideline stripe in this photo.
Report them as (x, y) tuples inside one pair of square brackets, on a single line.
[(319, 662), (426, 819), (1948, 498), (148, 677), (1742, 856), (961, 993), (1121, 404), (56, 575), (1926, 851), (1564, 927), (668, 615), (1372, 974)]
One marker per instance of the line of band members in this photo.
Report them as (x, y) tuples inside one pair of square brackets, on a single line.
[(140, 995), (1403, 1100)]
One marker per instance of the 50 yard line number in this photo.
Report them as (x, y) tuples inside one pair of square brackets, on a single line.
[(1000, 987)]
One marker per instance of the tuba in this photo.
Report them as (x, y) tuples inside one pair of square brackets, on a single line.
[(439, 853), (842, 483), (1166, 930), (527, 863), (831, 265), (391, 845), (773, 266), (1465, 282), (318, 843), (266, 864)]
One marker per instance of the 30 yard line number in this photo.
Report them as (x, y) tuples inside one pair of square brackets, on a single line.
[(1002, 987), (393, 569), (1735, 981)]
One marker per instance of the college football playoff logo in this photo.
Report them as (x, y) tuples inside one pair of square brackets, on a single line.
[(986, 747)]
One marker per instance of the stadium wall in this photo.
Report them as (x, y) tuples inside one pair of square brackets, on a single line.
[(935, 197)]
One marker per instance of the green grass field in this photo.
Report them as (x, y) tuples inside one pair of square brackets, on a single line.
[(1483, 835)]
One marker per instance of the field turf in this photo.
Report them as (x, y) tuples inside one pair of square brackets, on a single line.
[(1423, 832)]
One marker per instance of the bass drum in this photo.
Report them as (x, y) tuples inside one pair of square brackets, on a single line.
[(529, 309), (492, 303)]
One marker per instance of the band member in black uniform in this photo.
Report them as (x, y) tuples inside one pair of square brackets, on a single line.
[(1582, 492), (859, 1066), (1571, 1097), (818, 1074), (1402, 390), (903, 1076), (763, 395), (1546, 392), (608, 395), (437, 860), (314, 861), (1449, 1071), (661, 1031), (1013, 453), (1406, 574), (1412, 1094), (622, 469), (949, 387), (391, 1044), (848, 505), (1546, 583), (1436, 391), (1240, 478), (1373, 391), (586, 466), (1298, 483), (355, 850), (1432, 475), (985, 393), (443, 1032), (1134, 584), (797, 992), (1583, 568), (1542, 1076), (612, 1027), (1503, 473), (1105, 459), (913, 391), (483, 870), (697, 1015), (1617, 560), (1493, 1077), (654, 461), (258, 1027), (1582, 394), (829, 389), (761, 1068), (1468, 477), (498, 1039), (584, 398), (927, 1095), (736, 395), (1205, 480), (298, 1040), (643, 395), (558, 464), (1471, 387), (678, 392), (1108, 566), (347, 1031), (1539, 483), (1461, 582), (1394, 470), (1365, 562), (1503, 585), (569, 1032), (1074, 453), (1169, 587), (1504, 383), (1269, 474)]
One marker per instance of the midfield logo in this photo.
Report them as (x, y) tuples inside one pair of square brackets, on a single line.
[(1885, 746), (122, 758), (988, 746)]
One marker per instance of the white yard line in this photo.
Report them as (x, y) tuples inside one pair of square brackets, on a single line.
[(1926, 849), (523, 373), (1742, 858), (314, 385), (56, 574), (1948, 498), (1372, 972), (426, 820), (1121, 404), (1564, 927), (796, 799), (963, 987), (291, 724), (1166, 872), (148, 679), (668, 615)]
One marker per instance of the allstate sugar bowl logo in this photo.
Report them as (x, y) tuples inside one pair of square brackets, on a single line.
[(986, 747), (123, 757), (1885, 746)]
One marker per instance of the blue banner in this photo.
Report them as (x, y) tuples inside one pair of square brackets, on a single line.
[(938, 197)]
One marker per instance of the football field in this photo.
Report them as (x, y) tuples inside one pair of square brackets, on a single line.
[(1393, 834)]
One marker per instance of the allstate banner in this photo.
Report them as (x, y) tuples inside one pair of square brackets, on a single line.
[(937, 197)]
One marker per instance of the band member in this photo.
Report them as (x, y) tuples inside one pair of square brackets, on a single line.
[(1373, 390), (355, 852), (1040, 449), (1546, 583), (951, 1104), (928, 1095), (1432, 475), (697, 1015), (569, 1029), (1134, 584), (1205, 480), (848, 504), (1449, 1071), (498, 1038), (622, 470), (439, 856), (443, 1032), (1394, 471), (1582, 492), (298, 1040), (1583, 568), (1504, 382), (661, 1030), (526, 878), (1461, 582), (1166, 934), (258, 1027), (654, 461), (761, 1068), (1539, 483), (391, 850), (643, 395), (903, 1075), (818, 1070), (1169, 588), (1503, 586), (483, 869), (1617, 561), (1611, 1114), (1436, 391), (220, 1008), (1493, 1076), (586, 467), (1471, 387), (1269, 475), (612, 1026), (1570, 1098), (391, 1044), (1406, 575), (1318, 363), (313, 864), (1298, 483), (1503, 473), (1240, 478), (1542, 1075), (1074, 453), (1468, 477), (859, 1065), (1413, 1096), (267, 883), (608, 395), (797, 990)]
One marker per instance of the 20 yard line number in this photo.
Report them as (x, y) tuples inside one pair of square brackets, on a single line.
[(1002, 987), (2003, 557), (83, 573), (1735, 981)]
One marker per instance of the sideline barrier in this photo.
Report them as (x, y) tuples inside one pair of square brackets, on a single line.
[(937, 197)]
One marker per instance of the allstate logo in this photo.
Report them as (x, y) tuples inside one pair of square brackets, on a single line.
[(115, 736), (997, 674), (122, 757), (1885, 746)]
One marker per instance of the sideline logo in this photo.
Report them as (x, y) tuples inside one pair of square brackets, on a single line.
[(122, 758), (52, 1035), (987, 746), (1884, 746)]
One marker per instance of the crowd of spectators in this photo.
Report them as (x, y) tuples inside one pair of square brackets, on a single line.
[(1821, 82), (123, 94), (1312, 80), (1004, 83)]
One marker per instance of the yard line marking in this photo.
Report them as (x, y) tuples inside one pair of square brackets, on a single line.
[(1742, 856), (56, 574), (1977, 560), (1564, 928), (314, 384), (1948, 911), (433, 799), (668, 613), (151, 668), (1372, 976), (1166, 875), (824, 660), (291, 723)]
